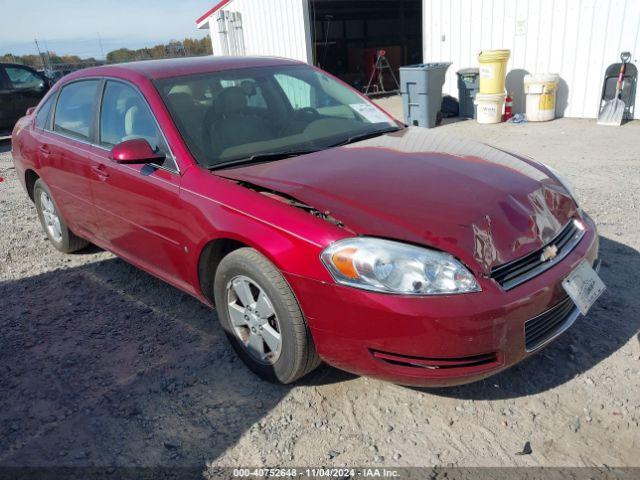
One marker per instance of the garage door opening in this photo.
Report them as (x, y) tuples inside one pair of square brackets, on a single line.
[(347, 34)]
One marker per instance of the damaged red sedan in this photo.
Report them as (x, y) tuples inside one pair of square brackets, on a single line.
[(320, 228)]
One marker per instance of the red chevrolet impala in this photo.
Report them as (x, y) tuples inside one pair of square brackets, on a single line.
[(319, 227)]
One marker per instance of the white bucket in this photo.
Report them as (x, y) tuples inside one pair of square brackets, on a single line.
[(490, 107), (541, 96)]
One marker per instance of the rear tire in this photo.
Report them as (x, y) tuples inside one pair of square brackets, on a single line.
[(59, 234), (295, 354)]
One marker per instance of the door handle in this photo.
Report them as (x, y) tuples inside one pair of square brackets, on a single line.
[(44, 150), (100, 172)]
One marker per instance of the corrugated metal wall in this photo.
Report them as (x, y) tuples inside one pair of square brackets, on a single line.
[(576, 38), (273, 27)]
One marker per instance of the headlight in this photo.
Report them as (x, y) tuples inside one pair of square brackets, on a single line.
[(393, 267), (563, 181)]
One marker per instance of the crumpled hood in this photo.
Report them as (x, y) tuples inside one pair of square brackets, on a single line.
[(483, 205)]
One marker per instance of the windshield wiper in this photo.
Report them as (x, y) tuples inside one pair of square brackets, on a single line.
[(364, 136), (273, 156), (261, 157)]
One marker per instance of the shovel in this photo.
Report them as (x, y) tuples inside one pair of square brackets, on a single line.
[(613, 111)]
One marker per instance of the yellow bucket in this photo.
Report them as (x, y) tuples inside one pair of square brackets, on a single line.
[(493, 70)]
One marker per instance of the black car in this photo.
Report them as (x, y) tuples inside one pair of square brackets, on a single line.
[(21, 87)]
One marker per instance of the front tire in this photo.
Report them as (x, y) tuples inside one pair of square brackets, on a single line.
[(60, 236), (262, 319)]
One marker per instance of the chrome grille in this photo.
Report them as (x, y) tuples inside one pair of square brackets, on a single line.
[(512, 274)]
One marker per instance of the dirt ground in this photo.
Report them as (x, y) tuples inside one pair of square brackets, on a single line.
[(102, 364)]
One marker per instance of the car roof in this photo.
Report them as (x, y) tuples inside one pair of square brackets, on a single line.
[(175, 67)]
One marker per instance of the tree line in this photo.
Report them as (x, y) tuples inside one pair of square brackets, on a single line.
[(185, 48), (35, 61)]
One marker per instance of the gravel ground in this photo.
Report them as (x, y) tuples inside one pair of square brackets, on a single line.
[(101, 364)]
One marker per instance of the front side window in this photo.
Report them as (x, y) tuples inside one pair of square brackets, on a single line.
[(125, 115), (43, 113), (23, 79), (74, 110), (252, 112)]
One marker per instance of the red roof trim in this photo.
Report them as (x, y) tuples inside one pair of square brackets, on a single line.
[(215, 8)]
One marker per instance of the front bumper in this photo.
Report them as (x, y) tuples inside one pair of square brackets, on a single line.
[(434, 341)]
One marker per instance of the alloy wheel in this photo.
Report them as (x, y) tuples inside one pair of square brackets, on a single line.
[(51, 218), (254, 320)]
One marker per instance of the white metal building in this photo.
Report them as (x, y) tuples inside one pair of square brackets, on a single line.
[(577, 39), (260, 27)]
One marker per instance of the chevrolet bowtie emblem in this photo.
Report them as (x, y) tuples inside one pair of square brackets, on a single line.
[(549, 253)]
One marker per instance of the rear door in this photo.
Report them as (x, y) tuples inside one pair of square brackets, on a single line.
[(28, 88), (138, 206), (64, 149)]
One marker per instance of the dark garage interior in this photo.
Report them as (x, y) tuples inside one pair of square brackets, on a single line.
[(347, 34)]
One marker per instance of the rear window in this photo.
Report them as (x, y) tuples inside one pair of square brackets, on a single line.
[(74, 110)]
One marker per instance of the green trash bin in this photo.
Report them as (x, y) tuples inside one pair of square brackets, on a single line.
[(468, 86), (421, 89)]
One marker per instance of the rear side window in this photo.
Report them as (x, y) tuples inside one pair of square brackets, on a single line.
[(23, 79), (43, 113), (74, 110)]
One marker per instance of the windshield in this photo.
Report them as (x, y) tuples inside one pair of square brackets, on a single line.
[(230, 116)]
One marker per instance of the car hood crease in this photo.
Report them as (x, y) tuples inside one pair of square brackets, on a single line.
[(479, 203)]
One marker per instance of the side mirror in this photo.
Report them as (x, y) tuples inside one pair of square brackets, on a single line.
[(136, 151), (30, 110)]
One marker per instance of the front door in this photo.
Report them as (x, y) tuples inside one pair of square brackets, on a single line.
[(138, 206)]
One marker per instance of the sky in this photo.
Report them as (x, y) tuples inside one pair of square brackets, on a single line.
[(72, 27)]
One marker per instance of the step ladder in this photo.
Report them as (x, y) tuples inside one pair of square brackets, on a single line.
[(376, 81)]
